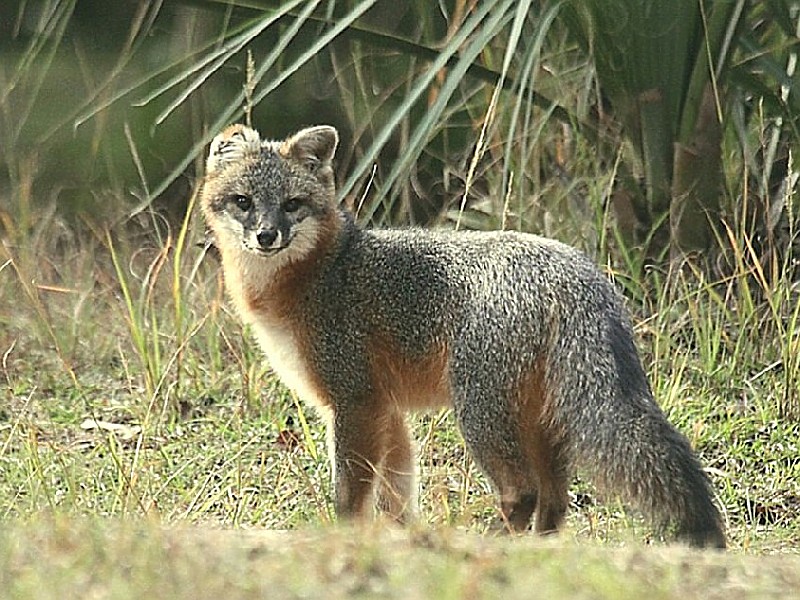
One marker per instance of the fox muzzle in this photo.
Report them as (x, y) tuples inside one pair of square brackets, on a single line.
[(267, 238)]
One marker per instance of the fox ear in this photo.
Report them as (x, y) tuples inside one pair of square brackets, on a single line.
[(314, 146), (231, 145)]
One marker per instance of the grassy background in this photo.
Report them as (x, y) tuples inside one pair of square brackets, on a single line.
[(123, 559), (139, 417), (145, 447)]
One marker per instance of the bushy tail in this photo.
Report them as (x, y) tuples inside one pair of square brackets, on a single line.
[(617, 430), (648, 461)]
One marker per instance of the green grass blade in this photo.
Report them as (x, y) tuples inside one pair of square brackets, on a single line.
[(428, 124), (219, 57), (235, 108)]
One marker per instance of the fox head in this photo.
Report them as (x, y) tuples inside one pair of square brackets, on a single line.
[(269, 197)]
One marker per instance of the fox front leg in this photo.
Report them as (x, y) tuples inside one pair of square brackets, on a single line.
[(357, 449)]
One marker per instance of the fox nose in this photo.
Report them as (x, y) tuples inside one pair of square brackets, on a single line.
[(266, 237)]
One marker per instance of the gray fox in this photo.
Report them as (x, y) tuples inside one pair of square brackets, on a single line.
[(522, 336)]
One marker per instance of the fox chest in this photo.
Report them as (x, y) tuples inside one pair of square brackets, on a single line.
[(288, 355)]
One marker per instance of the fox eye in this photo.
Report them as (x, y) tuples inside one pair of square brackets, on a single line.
[(292, 205), (243, 203)]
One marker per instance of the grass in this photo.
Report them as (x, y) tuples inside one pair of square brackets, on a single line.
[(145, 448), (144, 444), (108, 558), (133, 393)]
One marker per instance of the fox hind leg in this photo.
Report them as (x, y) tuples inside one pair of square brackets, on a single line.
[(494, 442), (534, 481), (518, 451), (552, 477), (544, 452)]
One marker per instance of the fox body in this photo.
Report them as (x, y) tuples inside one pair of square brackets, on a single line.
[(522, 336)]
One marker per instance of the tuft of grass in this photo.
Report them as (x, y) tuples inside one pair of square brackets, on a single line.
[(56, 558)]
